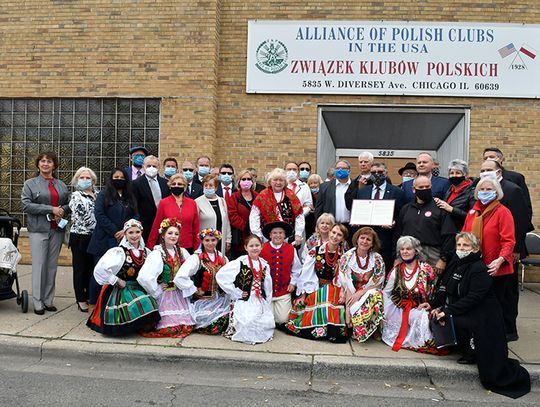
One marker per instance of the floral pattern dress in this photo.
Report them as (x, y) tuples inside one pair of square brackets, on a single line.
[(404, 325), (322, 316), (364, 274)]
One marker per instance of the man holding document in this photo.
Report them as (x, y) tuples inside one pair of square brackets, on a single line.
[(380, 215)]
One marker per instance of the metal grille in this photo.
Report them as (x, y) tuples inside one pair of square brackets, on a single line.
[(96, 133)]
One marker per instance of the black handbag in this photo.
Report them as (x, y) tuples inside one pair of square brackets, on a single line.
[(444, 335)]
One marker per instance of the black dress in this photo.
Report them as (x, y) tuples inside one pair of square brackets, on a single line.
[(465, 291)]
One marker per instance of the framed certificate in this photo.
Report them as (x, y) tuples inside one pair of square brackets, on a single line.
[(372, 212)]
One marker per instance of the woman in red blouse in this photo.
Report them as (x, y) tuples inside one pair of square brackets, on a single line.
[(182, 208), (493, 224), (239, 207)]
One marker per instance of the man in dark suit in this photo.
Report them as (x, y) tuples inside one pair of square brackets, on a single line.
[(331, 198), (258, 187), (204, 165), (193, 189), (424, 166), (149, 190), (226, 181), (380, 188), (493, 153), (514, 199), (136, 160)]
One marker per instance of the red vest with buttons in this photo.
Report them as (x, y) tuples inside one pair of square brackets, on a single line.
[(280, 261)]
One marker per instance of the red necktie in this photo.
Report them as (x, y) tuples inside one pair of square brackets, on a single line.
[(377, 193), (227, 193)]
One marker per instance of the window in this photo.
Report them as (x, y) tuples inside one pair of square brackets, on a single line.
[(95, 133)]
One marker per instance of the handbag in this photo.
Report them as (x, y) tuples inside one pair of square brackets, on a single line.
[(444, 335)]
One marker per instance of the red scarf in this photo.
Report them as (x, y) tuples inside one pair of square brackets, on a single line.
[(267, 204), (456, 192)]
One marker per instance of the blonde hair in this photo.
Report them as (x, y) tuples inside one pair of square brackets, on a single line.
[(178, 176), (241, 174), (276, 173), (496, 185), (78, 173)]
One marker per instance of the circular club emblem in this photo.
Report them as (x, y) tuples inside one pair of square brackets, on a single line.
[(272, 56), (427, 214)]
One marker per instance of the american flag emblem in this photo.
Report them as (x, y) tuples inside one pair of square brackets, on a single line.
[(507, 50)]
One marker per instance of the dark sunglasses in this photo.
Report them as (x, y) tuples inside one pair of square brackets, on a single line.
[(188, 169), (226, 173), (246, 179), (377, 172), (304, 169)]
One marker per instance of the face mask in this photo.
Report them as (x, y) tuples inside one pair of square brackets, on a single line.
[(456, 180), (378, 179), (209, 192), (407, 261), (405, 179), (463, 253), (315, 190), (188, 175), (246, 184), (292, 175), (169, 171), (490, 174), (177, 191), (62, 223), (84, 184), (151, 171), (118, 183), (342, 173), (423, 194), (225, 178), (435, 172), (304, 174), (486, 196), (203, 171), (138, 161)]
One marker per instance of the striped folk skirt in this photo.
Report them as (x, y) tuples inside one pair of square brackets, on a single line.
[(122, 311), (321, 317)]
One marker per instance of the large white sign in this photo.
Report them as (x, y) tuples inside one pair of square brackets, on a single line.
[(394, 58)]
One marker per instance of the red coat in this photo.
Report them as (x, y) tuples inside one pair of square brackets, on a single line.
[(189, 217), (238, 212), (497, 236)]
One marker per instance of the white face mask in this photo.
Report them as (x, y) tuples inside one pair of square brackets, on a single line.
[(463, 253), (490, 174), (292, 175), (151, 171)]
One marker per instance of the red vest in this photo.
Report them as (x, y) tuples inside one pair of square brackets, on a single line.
[(280, 261)]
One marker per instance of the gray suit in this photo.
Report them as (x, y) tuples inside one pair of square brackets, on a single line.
[(45, 243)]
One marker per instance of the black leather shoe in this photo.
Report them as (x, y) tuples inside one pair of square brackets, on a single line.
[(512, 337), (50, 308), (39, 311), (467, 360)]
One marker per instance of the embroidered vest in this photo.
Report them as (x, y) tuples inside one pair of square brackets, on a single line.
[(280, 261), (244, 280), (170, 268), (401, 292), (325, 273), (205, 278), (132, 265)]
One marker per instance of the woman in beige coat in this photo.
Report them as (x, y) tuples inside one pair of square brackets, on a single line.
[(213, 211)]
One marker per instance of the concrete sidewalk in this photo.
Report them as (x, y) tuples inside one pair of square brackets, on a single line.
[(64, 334)]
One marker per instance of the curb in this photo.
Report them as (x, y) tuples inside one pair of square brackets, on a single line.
[(322, 367)]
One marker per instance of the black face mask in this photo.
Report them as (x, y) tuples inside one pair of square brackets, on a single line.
[(456, 180), (177, 191), (378, 179), (423, 194), (119, 183)]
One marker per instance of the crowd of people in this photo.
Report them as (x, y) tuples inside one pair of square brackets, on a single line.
[(210, 250)]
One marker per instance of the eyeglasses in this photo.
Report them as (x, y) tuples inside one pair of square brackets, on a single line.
[(304, 168), (188, 169), (377, 172), (246, 179), (226, 173)]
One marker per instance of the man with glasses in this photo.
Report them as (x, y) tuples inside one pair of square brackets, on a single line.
[(305, 171), (300, 188), (226, 181), (136, 159), (380, 188), (331, 198), (258, 187), (193, 189)]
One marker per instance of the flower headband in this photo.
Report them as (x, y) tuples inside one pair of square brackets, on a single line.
[(132, 223), (167, 223), (210, 232)]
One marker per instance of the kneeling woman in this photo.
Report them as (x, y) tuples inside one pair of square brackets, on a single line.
[(248, 282), (123, 307), (361, 271), (197, 278), (319, 311), (466, 292), (156, 277), (410, 283)]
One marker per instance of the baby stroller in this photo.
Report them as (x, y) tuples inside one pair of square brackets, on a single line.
[(9, 258)]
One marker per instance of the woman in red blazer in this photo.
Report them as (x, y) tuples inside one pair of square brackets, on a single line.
[(239, 207), (182, 208), (493, 224)]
